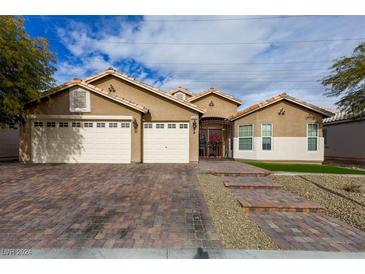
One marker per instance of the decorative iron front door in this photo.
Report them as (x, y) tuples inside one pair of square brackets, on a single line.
[(214, 143)]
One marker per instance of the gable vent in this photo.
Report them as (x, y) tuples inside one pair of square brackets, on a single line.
[(79, 100)]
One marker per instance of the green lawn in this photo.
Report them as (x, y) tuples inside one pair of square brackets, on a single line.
[(311, 168)]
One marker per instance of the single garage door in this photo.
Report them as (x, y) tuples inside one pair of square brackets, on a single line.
[(81, 141), (166, 142)]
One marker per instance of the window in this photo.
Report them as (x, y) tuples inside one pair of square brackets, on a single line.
[(171, 126), (147, 125), (160, 126), (126, 125), (51, 124), (100, 124), (266, 133), (76, 124), (312, 137), (245, 136), (63, 124), (88, 124), (183, 125), (113, 125), (38, 124)]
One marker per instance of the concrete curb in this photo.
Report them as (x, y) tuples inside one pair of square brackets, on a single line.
[(135, 253)]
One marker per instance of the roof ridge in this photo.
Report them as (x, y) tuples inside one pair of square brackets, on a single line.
[(216, 91), (145, 85)]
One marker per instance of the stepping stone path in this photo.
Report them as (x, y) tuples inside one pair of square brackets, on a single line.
[(291, 221)]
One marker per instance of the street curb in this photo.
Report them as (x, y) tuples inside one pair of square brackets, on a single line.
[(165, 253)]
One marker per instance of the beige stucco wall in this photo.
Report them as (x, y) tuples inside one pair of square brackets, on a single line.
[(222, 107), (346, 141), (59, 105), (292, 124), (160, 109)]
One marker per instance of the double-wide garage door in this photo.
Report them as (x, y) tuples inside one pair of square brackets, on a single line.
[(81, 141), (166, 142)]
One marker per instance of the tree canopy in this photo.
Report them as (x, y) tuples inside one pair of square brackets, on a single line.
[(347, 81), (26, 68)]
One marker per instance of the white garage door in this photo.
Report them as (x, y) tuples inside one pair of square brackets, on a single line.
[(81, 141), (166, 142)]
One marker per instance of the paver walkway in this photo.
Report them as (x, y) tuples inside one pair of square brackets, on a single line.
[(282, 217), (250, 182), (97, 205), (229, 168), (310, 231)]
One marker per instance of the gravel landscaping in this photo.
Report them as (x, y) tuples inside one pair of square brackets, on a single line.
[(342, 196), (233, 225)]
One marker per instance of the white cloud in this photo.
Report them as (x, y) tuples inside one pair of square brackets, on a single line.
[(252, 82)]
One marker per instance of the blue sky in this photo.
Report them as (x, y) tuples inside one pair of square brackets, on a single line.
[(250, 57)]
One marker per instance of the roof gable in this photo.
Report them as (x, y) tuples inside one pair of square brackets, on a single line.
[(181, 89), (89, 87), (143, 85), (279, 98), (217, 92)]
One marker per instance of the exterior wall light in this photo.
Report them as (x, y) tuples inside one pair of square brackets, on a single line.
[(135, 123), (195, 124)]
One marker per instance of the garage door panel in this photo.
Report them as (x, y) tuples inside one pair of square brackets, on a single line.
[(81, 145), (165, 145)]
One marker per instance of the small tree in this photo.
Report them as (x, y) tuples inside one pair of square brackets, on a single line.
[(347, 80), (25, 69)]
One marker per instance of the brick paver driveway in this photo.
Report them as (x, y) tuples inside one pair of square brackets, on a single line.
[(94, 205)]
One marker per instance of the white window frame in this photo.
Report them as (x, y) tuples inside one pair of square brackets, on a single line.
[(160, 126), (252, 137), (88, 124), (307, 144), (38, 124), (76, 124), (147, 125), (171, 126), (62, 124), (51, 124), (184, 126), (262, 137), (113, 125), (100, 125)]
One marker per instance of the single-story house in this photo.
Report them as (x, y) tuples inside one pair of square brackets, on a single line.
[(113, 118), (344, 139)]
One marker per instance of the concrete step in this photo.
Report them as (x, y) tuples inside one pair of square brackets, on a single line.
[(249, 182), (273, 200)]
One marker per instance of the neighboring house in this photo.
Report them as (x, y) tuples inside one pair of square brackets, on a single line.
[(344, 139), (113, 118), (9, 143)]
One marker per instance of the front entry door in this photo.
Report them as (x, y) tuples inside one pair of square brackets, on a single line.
[(210, 143), (215, 143)]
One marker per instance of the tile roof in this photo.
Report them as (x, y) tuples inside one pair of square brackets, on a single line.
[(340, 116), (277, 98), (111, 71), (78, 82), (215, 91)]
